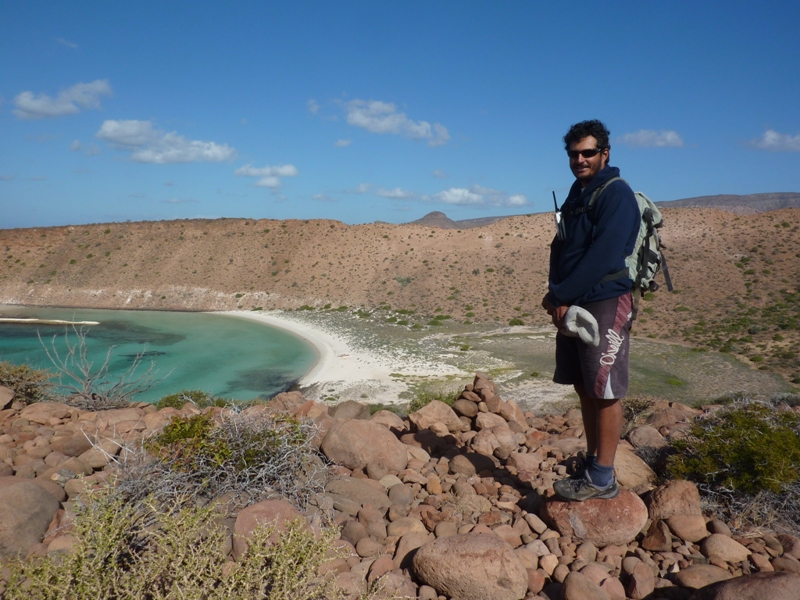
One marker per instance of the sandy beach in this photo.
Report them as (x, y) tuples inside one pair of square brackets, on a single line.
[(345, 369)]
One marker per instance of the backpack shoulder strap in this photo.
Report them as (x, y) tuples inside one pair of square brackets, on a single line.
[(592, 199)]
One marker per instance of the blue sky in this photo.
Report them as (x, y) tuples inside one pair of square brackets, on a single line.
[(364, 111)]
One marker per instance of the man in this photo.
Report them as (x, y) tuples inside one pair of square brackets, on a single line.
[(587, 269)]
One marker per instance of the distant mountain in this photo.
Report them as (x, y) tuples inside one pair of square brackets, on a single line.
[(442, 221), (746, 205)]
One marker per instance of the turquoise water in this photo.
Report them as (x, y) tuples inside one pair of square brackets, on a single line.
[(224, 355)]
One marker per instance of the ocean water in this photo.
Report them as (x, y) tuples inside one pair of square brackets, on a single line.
[(224, 355)]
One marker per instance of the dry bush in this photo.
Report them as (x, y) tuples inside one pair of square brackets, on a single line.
[(30, 385), (247, 457), (124, 553)]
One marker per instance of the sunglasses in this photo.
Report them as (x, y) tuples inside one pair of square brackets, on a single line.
[(584, 153)]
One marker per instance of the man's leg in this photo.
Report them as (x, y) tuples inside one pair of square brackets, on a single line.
[(602, 425)]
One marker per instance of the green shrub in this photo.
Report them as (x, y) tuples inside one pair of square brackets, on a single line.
[(515, 322), (747, 448), (199, 398), (425, 397), (29, 385), (176, 555)]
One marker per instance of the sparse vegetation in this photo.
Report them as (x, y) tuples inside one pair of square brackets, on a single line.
[(425, 397), (29, 384)]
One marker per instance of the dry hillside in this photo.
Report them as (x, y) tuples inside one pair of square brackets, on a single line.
[(736, 276)]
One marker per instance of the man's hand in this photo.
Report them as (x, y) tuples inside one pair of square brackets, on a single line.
[(556, 312)]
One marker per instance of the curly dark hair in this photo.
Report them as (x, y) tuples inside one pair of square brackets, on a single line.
[(584, 129)]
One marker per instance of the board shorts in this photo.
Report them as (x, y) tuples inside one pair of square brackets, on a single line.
[(603, 370)]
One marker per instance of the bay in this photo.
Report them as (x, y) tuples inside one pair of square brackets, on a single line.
[(221, 354)]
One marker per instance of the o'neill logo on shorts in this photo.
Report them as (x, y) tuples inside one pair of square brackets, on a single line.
[(614, 342)]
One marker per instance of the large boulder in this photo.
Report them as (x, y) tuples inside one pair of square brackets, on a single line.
[(435, 412), (355, 444), (472, 566), (578, 586), (779, 585), (359, 491), (633, 473), (350, 409), (602, 522), (26, 510), (699, 576), (677, 497), (267, 512)]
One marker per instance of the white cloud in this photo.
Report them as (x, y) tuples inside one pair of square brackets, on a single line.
[(363, 188), (477, 195), (313, 107), (68, 102), (382, 117), (343, 143), (648, 138), (66, 43), (269, 176), (396, 194), (7, 177), (93, 150), (324, 198), (75, 146), (778, 142), (460, 196), (149, 145), (439, 174)]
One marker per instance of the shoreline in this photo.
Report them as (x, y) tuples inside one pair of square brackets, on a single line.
[(344, 370)]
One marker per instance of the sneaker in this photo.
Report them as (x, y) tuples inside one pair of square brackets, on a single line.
[(579, 490)]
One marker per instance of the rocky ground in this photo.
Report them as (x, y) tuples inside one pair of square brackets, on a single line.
[(446, 503)]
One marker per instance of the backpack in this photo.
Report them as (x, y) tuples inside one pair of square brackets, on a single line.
[(647, 258)]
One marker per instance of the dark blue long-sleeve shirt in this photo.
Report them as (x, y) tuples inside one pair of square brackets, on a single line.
[(596, 244)]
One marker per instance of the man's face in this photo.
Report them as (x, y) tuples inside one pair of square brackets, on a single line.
[(585, 168)]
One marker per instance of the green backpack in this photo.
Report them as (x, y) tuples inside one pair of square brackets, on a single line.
[(647, 258)]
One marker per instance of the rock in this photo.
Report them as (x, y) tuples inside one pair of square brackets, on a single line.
[(632, 472), (6, 397), (395, 585), (677, 497), (405, 525), (691, 528), (757, 586), (646, 437), (350, 409), (354, 444), (367, 548), (286, 402), (698, 576), (786, 563), (791, 544), (658, 538), (465, 408), (26, 510), (266, 512), (76, 445), (724, 548), (602, 522), (579, 587), (717, 526), (354, 532), (42, 412), (360, 491), (472, 567), (391, 421), (485, 443), (510, 411), (642, 582), (489, 420), (435, 412), (407, 547), (675, 412)]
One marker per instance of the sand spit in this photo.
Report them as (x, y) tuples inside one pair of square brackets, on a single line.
[(345, 370)]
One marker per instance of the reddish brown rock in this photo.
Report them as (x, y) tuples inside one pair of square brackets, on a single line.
[(698, 576), (724, 548), (355, 443), (266, 512), (757, 586), (790, 544), (646, 437), (472, 567), (578, 586), (350, 409), (26, 510), (389, 420), (632, 472), (658, 538), (435, 412), (602, 522), (691, 528), (677, 497)]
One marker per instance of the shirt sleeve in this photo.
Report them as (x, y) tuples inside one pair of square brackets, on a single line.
[(616, 217)]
